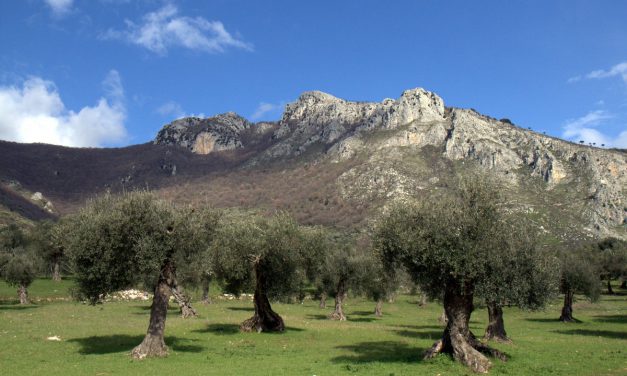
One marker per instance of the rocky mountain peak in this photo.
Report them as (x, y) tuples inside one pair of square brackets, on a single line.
[(203, 136)]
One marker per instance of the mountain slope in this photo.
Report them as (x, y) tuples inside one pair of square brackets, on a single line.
[(338, 162)]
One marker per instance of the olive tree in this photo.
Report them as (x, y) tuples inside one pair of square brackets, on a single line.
[(116, 242), (451, 245), (579, 274), (378, 284), (265, 255), (524, 276), (18, 268), (612, 259), (341, 269), (18, 265), (47, 242)]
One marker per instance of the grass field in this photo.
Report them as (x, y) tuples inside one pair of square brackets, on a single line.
[(97, 340)]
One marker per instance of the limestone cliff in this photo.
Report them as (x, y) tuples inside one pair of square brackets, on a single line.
[(385, 134)]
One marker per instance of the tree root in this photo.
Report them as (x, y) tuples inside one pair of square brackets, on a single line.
[(337, 315), (151, 346), (257, 324), (469, 351)]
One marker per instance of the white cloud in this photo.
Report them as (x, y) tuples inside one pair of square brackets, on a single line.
[(267, 109), (616, 70), (583, 129), (35, 112), (164, 29), (171, 108), (60, 7)]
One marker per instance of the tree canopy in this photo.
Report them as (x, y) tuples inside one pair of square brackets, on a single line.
[(459, 245), (268, 255), (116, 242)]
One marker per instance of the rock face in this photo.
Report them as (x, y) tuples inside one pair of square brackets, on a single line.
[(386, 133), (203, 136)]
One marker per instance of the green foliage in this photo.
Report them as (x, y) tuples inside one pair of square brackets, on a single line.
[(273, 253), (343, 265), (12, 236), (580, 272), (47, 241), (465, 239), (18, 265), (612, 258), (118, 241)]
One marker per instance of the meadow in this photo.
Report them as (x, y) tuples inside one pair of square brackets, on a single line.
[(96, 340)]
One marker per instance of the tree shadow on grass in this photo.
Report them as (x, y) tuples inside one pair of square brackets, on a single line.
[(220, 329), (382, 351), (620, 319), (16, 307), (418, 327), (433, 335), (593, 333), (362, 313), (125, 343), (230, 329), (318, 317), (246, 309), (553, 320), (145, 310), (360, 319)]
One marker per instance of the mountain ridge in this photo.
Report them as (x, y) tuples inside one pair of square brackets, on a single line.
[(378, 152)]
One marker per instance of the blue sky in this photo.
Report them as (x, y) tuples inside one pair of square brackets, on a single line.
[(112, 72)]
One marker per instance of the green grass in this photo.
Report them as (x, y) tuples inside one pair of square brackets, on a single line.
[(97, 340)]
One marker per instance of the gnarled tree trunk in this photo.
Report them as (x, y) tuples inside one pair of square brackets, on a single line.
[(56, 271), (624, 284), (323, 300), (378, 309), (457, 339), (153, 344), (183, 301), (206, 299), (338, 312), (567, 309), (264, 319), (443, 320), (22, 293), (496, 327)]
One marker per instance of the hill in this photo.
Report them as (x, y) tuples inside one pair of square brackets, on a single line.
[(337, 162)]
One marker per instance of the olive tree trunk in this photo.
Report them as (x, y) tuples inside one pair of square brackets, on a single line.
[(323, 300), (56, 270), (153, 344), (457, 338), (182, 300), (206, 299), (22, 293), (496, 326), (609, 287), (378, 309), (340, 295), (624, 284), (264, 319), (567, 309)]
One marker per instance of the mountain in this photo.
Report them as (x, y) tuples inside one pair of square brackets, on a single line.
[(338, 162)]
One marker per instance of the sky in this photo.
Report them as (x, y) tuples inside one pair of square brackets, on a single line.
[(110, 73)]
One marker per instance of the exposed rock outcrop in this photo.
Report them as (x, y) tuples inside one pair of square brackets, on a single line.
[(345, 129), (203, 136)]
